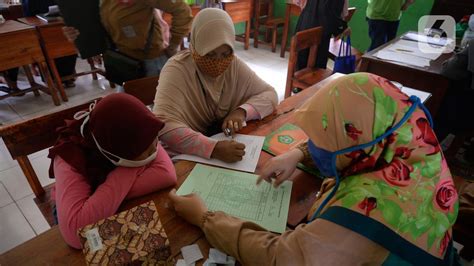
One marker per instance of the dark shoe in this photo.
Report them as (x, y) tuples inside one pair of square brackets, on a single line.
[(17, 92), (69, 84)]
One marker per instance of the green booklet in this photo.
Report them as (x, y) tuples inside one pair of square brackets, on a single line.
[(285, 138), (237, 194)]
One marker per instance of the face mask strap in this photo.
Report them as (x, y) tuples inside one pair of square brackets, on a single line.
[(86, 115), (416, 103)]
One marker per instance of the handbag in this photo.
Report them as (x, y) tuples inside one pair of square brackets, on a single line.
[(120, 67), (345, 63)]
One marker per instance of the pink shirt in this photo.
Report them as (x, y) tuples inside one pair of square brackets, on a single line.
[(77, 206)]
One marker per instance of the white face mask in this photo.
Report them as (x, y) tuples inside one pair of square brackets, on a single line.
[(124, 162), (121, 161)]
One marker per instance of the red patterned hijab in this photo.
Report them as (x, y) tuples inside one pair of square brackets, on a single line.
[(121, 125)]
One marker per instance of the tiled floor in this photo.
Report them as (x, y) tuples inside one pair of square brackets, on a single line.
[(20, 219)]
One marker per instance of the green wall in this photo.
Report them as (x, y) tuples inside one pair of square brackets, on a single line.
[(358, 24)]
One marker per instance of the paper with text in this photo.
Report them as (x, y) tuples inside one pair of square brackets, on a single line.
[(237, 194), (253, 147)]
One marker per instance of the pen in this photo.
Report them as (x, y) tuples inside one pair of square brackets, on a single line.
[(404, 50), (227, 132)]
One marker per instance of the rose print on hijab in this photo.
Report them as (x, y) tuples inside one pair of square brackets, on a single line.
[(368, 204), (445, 195), (427, 134), (397, 173), (403, 152), (444, 243), (352, 131)]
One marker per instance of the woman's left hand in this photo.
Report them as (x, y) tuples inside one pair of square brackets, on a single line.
[(191, 207), (234, 121)]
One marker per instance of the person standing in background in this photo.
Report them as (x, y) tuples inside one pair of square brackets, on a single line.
[(326, 13), (383, 17)]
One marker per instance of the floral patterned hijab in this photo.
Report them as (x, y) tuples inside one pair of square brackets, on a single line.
[(403, 182)]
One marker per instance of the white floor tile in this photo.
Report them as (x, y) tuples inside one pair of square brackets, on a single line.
[(14, 228), (33, 215), (7, 114), (30, 104), (15, 182), (41, 166), (5, 198), (6, 161)]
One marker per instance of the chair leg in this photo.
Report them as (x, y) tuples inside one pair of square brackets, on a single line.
[(274, 39), (52, 89), (255, 37), (57, 78), (31, 176), (31, 80), (91, 63)]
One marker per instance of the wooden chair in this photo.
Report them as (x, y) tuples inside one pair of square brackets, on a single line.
[(144, 89), (304, 78), (264, 17)]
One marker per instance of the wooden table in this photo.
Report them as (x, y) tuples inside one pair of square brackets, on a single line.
[(291, 10), (49, 248), (55, 45), (20, 47), (240, 11), (427, 79)]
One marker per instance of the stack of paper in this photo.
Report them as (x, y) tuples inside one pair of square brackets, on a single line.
[(403, 58), (411, 48)]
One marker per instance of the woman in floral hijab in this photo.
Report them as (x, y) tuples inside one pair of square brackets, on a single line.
[(393, 203)]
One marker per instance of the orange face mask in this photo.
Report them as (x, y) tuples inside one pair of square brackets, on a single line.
[(213, 67)]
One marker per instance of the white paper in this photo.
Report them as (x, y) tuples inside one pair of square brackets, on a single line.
[(94, 240), (412, 36), (253, 146), (215, 256), (403, 58), (411, 48), (423, 95), (191, 254), (182, 262)]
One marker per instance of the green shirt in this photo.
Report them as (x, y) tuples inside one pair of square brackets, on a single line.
[(389, 10)]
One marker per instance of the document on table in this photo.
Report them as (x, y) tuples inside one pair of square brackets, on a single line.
[(253, 146), (403, 58), (411, 48), (413, 36), (423, 95), (237, 194)]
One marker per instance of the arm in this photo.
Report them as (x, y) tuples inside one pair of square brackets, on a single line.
[(187, 141), (155, 176), (407, 4), (78, 206), (182, 19), (335, 9), (261, 96), (456, 68)]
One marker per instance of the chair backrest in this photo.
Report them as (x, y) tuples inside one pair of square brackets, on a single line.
[(27, 137), (263, 8), (144, 89), (310, 38)]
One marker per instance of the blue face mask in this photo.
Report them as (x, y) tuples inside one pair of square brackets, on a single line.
[(326, 160)]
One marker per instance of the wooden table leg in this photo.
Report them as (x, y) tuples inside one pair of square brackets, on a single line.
[(57, 78), (31, 80), (91, 63), (284, 37), (30, 175), (49, 81), (247, 35)]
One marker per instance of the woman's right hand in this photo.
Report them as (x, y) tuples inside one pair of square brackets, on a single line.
[(71, 33), (229, 151), (281, 167)]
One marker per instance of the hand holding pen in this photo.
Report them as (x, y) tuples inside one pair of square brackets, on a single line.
[(234, 122)]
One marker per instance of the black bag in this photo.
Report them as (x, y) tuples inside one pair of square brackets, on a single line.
[(120, 67)]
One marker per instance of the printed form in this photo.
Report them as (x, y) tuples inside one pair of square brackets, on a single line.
[(236, 193)]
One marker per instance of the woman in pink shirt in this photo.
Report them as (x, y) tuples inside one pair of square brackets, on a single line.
[(106, 155)]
